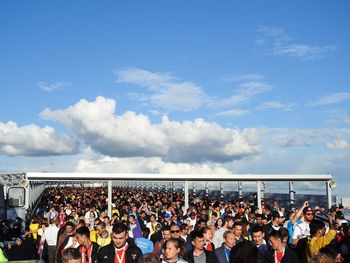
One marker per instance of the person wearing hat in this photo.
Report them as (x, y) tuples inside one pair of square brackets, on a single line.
[(302, 230), (277, 219)]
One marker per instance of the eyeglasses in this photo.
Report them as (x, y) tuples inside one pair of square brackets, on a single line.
[(309, 214), (174, 231)]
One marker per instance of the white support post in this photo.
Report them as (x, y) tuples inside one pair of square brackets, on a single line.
[(258, 195), (240, 190), (206, 189), (186, 196), (329, 194), (221, 190), (109, 199), (193, 188), (291, 194)]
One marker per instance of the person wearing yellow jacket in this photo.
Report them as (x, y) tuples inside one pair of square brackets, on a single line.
[(318, 238), (2, 256)]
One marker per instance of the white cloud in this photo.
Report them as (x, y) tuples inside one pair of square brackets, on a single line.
[(107, 164), (243, 77), (31, 140), (51, 87), (276, 42), (233, 113), (243, 94), (296, 138), (332, 99), (276, 105), (184, 96), (338, 145), (164, 90), (132, 135)]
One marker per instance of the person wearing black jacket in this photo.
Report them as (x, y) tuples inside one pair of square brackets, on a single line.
[(199, 253), (87, 248), (121, 249), (279, 252)]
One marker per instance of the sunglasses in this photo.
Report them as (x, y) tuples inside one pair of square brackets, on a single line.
[(309, 214), (174, 231)]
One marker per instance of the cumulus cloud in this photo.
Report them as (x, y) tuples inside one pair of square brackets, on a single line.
[(164, 90), (277, 42), (133, 135), (31, 140), (51, 87), (338, 145), (332, 99)]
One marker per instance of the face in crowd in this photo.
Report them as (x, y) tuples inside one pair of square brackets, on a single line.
[(175, 231)]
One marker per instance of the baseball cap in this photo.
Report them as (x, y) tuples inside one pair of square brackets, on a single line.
[(307, 209)]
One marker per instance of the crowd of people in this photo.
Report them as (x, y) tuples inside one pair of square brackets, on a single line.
[(154, 227)]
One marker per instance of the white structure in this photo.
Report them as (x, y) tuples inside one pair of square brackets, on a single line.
[(109, 178)]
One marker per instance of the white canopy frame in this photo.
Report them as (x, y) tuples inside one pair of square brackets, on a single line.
[(186, 178)]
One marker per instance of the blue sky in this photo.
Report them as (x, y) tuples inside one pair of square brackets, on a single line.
[(176, 86)]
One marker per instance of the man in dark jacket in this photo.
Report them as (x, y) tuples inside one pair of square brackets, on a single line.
[(223, 252), (122, 248), (279, 252), (87, 248), (198, 254)]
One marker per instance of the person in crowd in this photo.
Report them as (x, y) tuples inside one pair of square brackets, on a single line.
[(279, 252), (185, 230), (245, 252), (293, 219), (72, 255), (258, 239), (218, 237), (65, 240), (22, 249), (144, 243), (87, 248), (50, 238), (223, 252), (148, 258), (173, 251), (198, 254), (302, 230), (208, 236), (3, 258), (102, 235), (134, 227), (277, 220), (122, 249), (319, 238), (62, 217), (158, 246), (238, 231)]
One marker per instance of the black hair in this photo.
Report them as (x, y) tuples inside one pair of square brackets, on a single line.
[(316, 225), (119, 228), (256, 229), (276, 234), (196, 234), (83, 231)]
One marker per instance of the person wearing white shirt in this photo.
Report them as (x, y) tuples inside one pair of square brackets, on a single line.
[(50, 237)]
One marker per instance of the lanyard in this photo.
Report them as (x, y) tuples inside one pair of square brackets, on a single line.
[(276, 259), (121, 258), (88, 252)]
